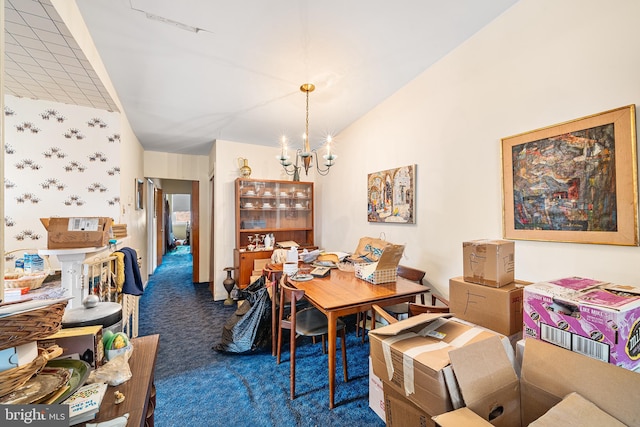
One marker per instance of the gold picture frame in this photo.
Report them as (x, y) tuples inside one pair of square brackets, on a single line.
[(573, 182)]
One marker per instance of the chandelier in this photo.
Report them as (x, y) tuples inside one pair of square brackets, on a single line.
[(306, 156)]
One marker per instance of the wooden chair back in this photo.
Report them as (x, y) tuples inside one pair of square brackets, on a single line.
[(415, 309), (273, 277), (412, 274)]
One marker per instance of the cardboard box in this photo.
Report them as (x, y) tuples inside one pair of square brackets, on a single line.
[(578, 411), (376, 393), (487, 381), (260, 264), (549, 373), (489, 262), (400, 412), (412, 356), (84, 343), (70, 233), (461, 417), (586, 316), (498, 309)]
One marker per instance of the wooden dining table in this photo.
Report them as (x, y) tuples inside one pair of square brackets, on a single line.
[(341, 293)]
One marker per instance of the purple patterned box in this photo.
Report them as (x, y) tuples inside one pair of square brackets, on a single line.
[(589, 317)]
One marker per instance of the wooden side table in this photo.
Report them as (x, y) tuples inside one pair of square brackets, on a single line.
[(139, 390)]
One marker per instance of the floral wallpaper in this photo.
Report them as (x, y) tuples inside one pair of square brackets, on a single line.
[(60, 160)]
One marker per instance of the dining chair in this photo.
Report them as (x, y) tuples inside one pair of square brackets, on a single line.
[(417, 276), (272, 277), (397, 310), (273, 274), (413, 310), (306, 322)]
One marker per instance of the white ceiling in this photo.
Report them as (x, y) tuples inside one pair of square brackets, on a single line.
[(237, 77)]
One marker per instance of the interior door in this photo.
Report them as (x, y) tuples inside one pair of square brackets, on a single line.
[(212, 267), (195, 229), (159, 225)]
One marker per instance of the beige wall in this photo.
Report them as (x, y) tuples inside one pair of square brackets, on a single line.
[(542, 62)]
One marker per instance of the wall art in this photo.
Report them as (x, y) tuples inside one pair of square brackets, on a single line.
[(573, 182), (391, 195), (139, 194)]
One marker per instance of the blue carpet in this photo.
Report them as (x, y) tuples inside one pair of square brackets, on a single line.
[(197, 386)]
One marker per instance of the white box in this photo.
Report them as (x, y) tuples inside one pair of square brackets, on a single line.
[(376, 394)]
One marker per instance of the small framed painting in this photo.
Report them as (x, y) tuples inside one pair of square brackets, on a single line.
[(573, 182), (391, 195), (139, 194)]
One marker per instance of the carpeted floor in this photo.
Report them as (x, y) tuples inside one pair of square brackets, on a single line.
[(197, 386)]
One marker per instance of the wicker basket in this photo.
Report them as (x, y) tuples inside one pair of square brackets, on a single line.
[(31, 281), (25, 280), (378, 277), (14, 378), (32, 325)]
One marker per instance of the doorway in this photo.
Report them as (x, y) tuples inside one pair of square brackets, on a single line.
[(185, 216)]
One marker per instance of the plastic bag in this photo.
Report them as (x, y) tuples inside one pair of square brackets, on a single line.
[(115, 372)]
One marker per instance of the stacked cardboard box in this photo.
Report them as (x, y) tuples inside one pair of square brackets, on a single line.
[(119, 230), (594, 318), (488, 293), (411, 357), (499, 309), (489, 262), (431, 365)]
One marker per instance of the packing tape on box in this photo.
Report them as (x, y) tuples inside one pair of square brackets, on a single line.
[(386, 350), (432, 326), (407, 363), (409, 355), (465, 337)]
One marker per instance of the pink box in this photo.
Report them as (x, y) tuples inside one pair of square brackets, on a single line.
[(600, 320)]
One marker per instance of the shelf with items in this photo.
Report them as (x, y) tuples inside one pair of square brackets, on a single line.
[(281, 208)]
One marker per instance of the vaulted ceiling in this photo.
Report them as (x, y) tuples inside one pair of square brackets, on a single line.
[(191, 72)]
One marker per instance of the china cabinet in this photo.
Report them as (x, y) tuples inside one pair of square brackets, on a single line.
[(271, 211)]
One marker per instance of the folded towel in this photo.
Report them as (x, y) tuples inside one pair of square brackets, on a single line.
[(119, 269), (132, 279)]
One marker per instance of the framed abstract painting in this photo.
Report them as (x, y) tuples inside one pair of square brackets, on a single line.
[(573, 182), (391, 195)]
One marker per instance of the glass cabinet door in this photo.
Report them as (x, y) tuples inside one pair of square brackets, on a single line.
[(281, 208)]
